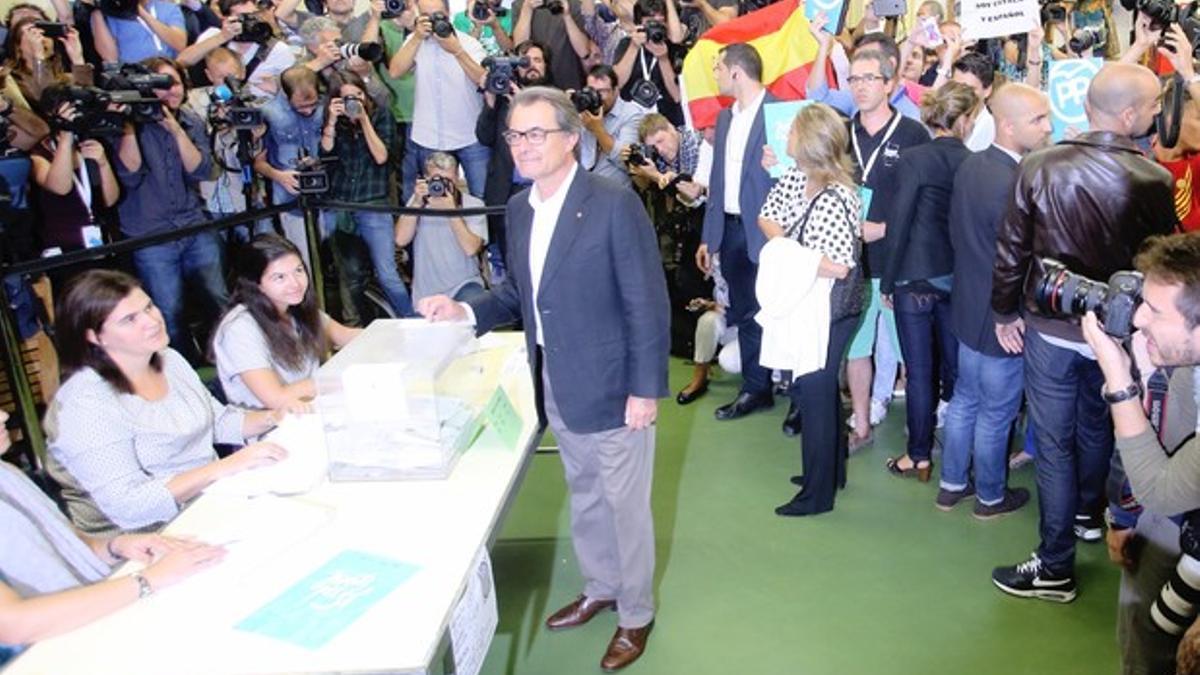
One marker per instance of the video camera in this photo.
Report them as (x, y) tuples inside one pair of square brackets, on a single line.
[(254, 30), (124, 80), (1061, 292), (231, 107), (501, 71), (312, 174), (587, 100)]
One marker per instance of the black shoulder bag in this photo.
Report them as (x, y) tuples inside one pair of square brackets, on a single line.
[(847, 296)]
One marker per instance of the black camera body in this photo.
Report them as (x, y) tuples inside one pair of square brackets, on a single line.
[(502, 71), (392, 9), (555, 7), (639, 154), (312, 175), (439, 186), (254, 30), (480, 9), (656, 31), (119, 9), (1087, 38), (1163, 13), (441, 25), (1061, 292), (587, 100), (133, 84), (645, 93), (1054, 12), (231, 107), (354, 109), (51, 29)]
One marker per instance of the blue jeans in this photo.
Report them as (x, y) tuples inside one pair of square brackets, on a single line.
[(473, 159), (987, 396), (923, 322), (377, 232), (164, 268), (1074, 443)]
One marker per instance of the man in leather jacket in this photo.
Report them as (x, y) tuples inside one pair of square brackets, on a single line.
[(1088, 203)]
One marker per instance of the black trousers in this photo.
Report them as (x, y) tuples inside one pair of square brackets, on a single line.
[(741, 274), (823, 440)]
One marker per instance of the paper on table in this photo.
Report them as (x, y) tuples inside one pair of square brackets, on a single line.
[(302, 470)]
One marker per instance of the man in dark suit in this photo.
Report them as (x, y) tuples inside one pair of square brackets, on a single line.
[(586, 279), (737, 188), (987, 392)]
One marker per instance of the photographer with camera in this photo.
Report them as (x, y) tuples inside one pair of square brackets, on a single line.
[(74, 179), (1158, 448), (359, 135), (128, 31), (295, 119), (488, 22), (1091, 200), (159, 165), (608, 128), (503, 180), (445, 248), (446, 99), (546, 22), (36, 61), (646, 59), (675, 156), (329, 56), (246, 30)]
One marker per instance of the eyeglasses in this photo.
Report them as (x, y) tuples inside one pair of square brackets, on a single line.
[(535, 136), (869, 78)]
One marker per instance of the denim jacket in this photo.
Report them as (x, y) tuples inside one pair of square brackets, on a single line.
[(287, 132)]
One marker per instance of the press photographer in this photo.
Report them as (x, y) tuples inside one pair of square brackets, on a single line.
[(247, 30), (608, 129), (1158, 586), (159, 165), (646, 61), (127, 31), (490, 23), (359, 135), (329, 54), (38, 60), (445, 248)]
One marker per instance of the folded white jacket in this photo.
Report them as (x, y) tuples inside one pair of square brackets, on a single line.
[(794, 304)]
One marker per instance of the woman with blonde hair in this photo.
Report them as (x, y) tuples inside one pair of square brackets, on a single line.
[(919, 269), (817, 203)]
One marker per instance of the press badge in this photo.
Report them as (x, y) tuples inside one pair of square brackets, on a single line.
[(865, 194), (92, 237)]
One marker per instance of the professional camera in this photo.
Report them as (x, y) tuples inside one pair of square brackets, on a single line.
[(480, 9), (656, 31), (1054, 12), (392, 9), (1178, 601), (645, 93), (555, 7), (1163, 13), (439, 186), (133, 84), (94, 113), (354, 110), (587, 100), (441, 25), (254, 30), (371, 52), (231, 107), (1064, 293), (639, 154), (501, 71), (51, 29), (119, 9), (311, 172), (1087, 38)]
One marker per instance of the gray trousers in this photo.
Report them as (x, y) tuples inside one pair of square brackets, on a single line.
[(609, 474), (1145, 650)]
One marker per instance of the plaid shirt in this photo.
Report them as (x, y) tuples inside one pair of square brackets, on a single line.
[(355, 177)]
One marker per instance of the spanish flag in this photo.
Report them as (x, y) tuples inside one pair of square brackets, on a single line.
[(780, 34)]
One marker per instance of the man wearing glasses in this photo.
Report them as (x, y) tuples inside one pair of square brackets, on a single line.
[(609, 130), (586, 279)]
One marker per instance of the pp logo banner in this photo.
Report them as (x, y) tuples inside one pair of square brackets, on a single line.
[(1068, 86)]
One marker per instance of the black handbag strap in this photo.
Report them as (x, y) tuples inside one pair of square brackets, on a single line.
[(828, 189)]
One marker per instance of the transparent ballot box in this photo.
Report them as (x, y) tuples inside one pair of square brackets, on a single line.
[(402, 401)]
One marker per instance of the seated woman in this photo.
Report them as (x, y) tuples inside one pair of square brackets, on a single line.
[(132, 429), (269, 344), (52, 577)]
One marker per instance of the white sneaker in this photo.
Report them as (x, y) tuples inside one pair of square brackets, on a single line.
[(879, 411), (941, 414)]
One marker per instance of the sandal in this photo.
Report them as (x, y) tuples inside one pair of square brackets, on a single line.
[(923, 470)]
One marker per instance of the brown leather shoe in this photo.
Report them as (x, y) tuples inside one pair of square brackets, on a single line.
[(578, 612), (626, 646)]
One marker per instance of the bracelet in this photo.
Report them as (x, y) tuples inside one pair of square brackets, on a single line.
[(1131, 392)]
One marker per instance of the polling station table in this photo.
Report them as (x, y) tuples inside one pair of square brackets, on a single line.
[(397, 571)]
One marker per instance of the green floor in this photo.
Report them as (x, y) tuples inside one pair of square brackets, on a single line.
[(884, 584)]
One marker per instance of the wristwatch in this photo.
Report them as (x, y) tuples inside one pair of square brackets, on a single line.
[(1133, 391), (145, 590)]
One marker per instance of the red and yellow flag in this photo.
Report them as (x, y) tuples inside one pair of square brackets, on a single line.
[(780, 34)]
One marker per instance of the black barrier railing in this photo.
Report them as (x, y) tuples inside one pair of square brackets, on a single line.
[(11, 341)]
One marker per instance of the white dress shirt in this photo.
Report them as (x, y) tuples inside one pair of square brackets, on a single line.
[(545, 220), (735, 149)]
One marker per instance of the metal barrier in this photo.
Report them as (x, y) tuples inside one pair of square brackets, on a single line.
[(11, 345)]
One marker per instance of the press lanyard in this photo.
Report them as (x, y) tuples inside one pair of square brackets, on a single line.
[(84, 187), (158, 45), (866, 168), (1156, 400), (645, 66)]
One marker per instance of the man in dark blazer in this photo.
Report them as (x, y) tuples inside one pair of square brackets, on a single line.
[(586, 279), (987, 393), (737, 188)]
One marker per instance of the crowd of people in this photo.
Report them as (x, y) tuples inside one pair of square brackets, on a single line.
[(922, 234)]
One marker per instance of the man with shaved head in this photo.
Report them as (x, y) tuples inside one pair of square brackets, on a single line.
[(987, 393), (1088, 202)]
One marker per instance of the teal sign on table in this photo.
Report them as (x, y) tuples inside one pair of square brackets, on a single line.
[(502, 417), (1069, 80), (777, 120), (324, 603)]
